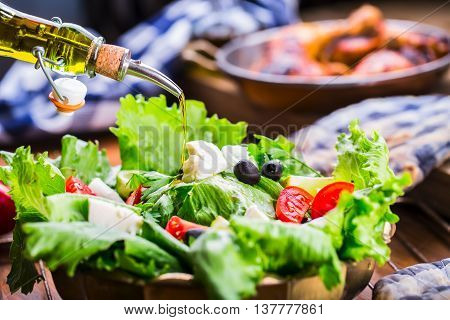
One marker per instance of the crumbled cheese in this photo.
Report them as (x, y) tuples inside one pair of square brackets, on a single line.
[(205, 160)]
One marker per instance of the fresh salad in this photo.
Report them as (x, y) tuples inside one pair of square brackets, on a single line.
[(230, 214)]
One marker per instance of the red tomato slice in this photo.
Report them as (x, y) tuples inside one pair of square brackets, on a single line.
[(292, 204), (178, 227), (136, 196), (75, 185), (327, 198)]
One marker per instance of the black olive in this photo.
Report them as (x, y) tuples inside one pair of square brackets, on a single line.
[(247, 172), (272, 170), (193, 233)]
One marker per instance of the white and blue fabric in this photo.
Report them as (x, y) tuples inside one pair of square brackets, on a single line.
[(416, 129), (26, 113)]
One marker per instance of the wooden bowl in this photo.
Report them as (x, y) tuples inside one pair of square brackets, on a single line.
[(94, 285)]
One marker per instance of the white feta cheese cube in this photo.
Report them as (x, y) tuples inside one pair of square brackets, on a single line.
[(253, 212), (205, 160), (101, 189), (114, 217)]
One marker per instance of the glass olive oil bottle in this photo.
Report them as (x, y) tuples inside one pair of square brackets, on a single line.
[(70, 49), (69, 45)]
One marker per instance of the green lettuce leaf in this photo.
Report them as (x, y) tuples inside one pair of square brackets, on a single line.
[(5, 170), (84, 160), (151, 180), (30, 181), (227, 270), (287, 249), (202, 201), (231, 264), (365, 213), (150, 133), (283, 150), (361, 160), (66, 245), (153, 232), (332, 224)]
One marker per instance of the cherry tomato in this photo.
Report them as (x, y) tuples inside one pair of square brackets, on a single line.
[(136, 196), (75, 185), (7, 210), (292, 204), (327, 198), (178, 227)]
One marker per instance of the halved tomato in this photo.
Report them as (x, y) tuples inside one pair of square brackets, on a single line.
[(75, 185), (178, 227), (328, 197), (292, 204), (135, 196)]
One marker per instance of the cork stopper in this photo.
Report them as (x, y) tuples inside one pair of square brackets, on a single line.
[(110, 61)]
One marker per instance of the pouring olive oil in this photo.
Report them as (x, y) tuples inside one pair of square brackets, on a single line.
[(71, 50)]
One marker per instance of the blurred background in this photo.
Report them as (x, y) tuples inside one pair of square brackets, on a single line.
[(202, 45), (132, 23)]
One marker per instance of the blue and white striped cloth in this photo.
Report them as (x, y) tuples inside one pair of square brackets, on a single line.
[(26, 113), (416, 129)]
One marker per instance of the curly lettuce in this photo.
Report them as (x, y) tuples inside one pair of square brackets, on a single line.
[(150, 133), (365, 214), (31, 179), (361, 160), (231, 264), (84, 160)]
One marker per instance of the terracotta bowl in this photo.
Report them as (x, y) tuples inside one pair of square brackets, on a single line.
[(181, 286)]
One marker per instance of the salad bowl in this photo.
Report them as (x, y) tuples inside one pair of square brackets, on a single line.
[(248, 229), (182, 286)]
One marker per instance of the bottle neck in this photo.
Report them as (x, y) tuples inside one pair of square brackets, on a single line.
[(115, 62)]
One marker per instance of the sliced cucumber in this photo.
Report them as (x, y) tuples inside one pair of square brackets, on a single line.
[(123, 179)]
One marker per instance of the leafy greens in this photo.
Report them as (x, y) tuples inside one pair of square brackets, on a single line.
[(361, 160), (230, 265), (68, 244), (150, 133), (53, 225), (30, 181), (84, 160), (202, 201)]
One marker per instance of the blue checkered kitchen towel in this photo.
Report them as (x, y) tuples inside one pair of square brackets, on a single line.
[(416, 129), (26, 113)]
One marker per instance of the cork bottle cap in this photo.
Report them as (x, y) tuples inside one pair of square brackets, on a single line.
[(110, 61)]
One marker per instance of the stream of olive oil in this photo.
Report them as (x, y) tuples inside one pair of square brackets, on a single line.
[(182, 102)]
